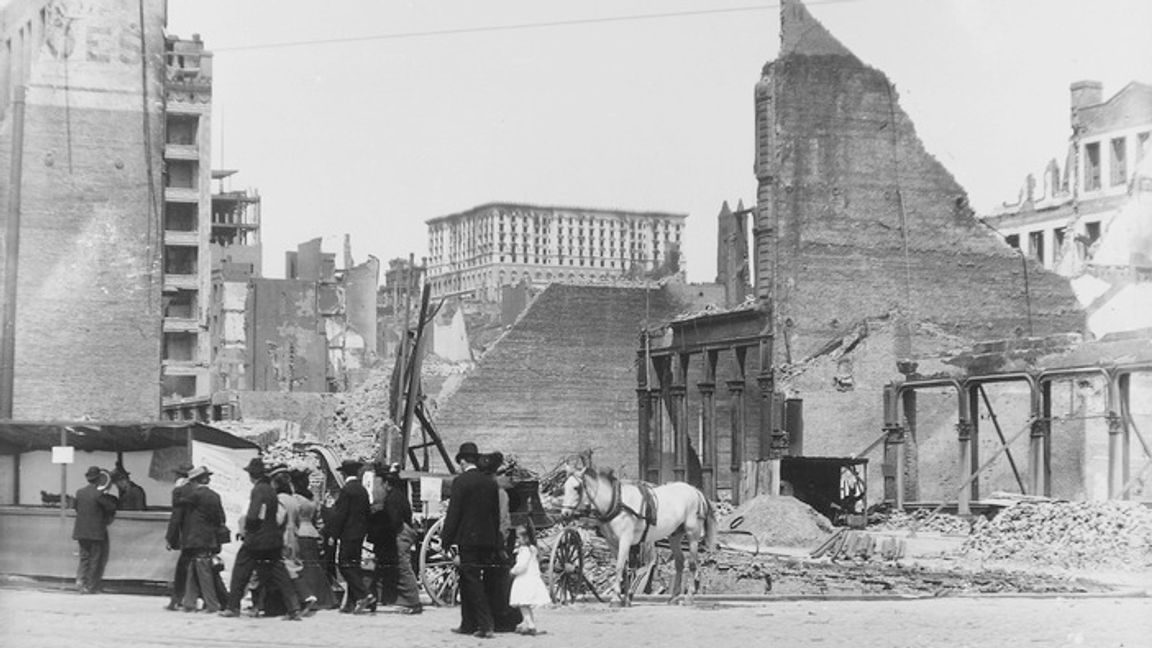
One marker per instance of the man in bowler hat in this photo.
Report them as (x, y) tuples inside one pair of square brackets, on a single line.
[(95, 509), (175, 522), (261, 548), (472, 526), (349, 525)]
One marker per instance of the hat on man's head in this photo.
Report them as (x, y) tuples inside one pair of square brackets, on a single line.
[(255, 468), (277, 469), (469, 451), (350, 467), (201, 471), (93, 473), (184, 468), (119, 473)]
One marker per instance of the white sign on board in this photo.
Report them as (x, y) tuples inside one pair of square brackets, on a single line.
[(63, 454)]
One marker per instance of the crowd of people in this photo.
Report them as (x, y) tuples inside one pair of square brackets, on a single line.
[(292, 548)]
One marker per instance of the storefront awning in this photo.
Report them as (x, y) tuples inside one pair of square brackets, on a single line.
[(18, 437)]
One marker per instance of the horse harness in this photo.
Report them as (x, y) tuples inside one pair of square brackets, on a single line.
[(648, 507)]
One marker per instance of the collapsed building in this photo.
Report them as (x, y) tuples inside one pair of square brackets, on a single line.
[(866, 266), (279, 346)]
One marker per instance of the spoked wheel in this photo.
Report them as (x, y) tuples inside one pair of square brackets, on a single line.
[(438, 572), (566, 567)]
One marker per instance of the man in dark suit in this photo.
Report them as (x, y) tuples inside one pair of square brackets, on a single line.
[(131, 496), (262, 546), (203, 517), (95, 509), (349, 525), (472, 526), (172, 537)]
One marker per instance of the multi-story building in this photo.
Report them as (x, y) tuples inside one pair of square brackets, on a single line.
[(119, 229), (1108, 140), (478, 251)]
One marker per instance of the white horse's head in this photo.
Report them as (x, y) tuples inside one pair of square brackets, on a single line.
[(575, 493)]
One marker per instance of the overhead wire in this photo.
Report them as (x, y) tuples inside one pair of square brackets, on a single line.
[(515, 26)]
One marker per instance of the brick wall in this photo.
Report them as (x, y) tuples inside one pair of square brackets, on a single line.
[(562, 379), (88, 320), (841, 175)]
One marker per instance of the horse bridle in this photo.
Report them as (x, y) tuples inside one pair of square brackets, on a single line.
[(614, 509)]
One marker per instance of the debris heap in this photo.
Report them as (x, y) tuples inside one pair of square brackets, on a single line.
[(1067, 534), (779, 522), (360, 418), (923, 520)]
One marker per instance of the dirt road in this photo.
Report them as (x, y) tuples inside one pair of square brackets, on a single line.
[(34, 618)]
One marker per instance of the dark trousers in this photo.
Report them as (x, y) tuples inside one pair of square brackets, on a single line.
[(476, 567), (181, 576), (93, 559), (269, 568), (348, 560), (203, 581)]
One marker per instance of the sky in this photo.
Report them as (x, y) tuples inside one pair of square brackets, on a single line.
[(377, 125)]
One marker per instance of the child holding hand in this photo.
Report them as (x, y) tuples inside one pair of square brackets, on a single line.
[(528, 588)]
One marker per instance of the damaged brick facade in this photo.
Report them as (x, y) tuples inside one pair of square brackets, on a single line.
[(88, 325), (855, 219)]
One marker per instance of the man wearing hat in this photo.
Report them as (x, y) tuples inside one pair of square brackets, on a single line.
[(203, 517), (472, 525), (349, 525), (131, 496), (262, 546), (95, 509), (172, 537)]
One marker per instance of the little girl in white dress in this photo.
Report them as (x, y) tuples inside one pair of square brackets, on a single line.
[(528, 588)]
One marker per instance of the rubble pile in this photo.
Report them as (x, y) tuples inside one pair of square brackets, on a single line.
[(922, 520), (1067, 534), (779, 522), (360, 418)]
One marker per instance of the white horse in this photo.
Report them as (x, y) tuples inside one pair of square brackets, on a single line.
[(627, 518)]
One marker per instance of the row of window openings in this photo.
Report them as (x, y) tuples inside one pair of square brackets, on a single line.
[(1037, 249), (1118, 161)]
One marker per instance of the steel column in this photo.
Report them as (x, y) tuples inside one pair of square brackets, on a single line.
[(964, 437), (708, 461)]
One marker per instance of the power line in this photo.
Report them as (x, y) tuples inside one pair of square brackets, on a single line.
[(514, 27)]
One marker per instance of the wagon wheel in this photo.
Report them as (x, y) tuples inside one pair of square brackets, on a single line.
[(566, 567), (438, 573)]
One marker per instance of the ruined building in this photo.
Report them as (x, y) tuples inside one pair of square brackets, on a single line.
[(477, 252), (278, 345), (867, 264), (1091, 220), (116, 226)]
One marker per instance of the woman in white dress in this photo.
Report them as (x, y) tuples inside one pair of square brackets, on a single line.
[(528, 588)]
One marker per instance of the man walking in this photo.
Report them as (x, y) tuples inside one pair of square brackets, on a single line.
[(95, 509), (260, 551), (203, 518), (173, 535), (349, 525), (472, 526)]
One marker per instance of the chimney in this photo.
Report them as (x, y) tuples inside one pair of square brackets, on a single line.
[(1086, 93)]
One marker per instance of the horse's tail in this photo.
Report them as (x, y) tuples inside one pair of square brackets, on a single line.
[(709, 514)]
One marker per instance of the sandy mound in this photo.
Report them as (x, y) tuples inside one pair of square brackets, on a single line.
[(779, 522)]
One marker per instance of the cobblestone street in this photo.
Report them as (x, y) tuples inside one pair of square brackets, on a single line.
[(32, 618)]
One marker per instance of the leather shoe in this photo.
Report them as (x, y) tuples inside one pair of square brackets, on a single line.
[(483, 634), (462, 631), (294, 615), (230, 613)]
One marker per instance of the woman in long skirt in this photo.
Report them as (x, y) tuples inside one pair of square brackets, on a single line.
[(309, 548)]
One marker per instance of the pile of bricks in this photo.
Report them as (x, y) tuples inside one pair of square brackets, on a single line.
[(921, 520), (1068, 534)]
